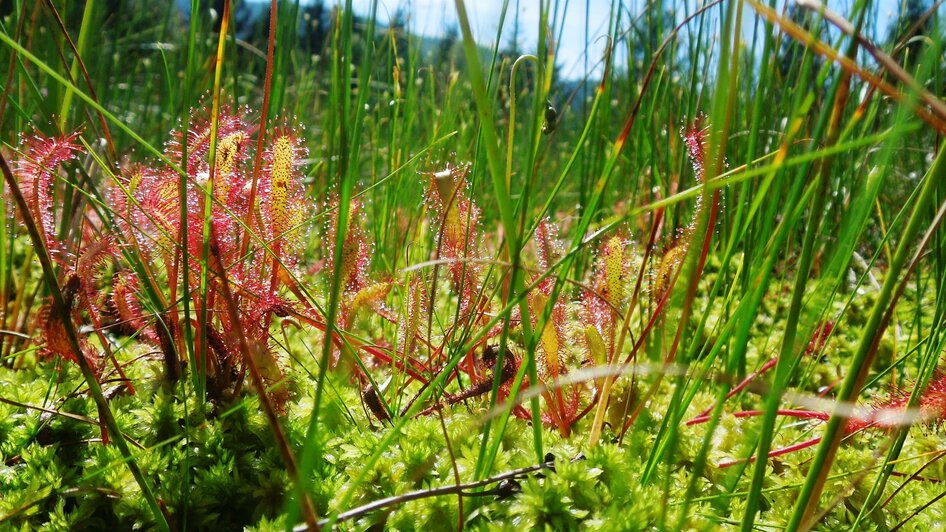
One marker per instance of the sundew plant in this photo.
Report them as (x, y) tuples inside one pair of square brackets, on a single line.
[(299, 265)]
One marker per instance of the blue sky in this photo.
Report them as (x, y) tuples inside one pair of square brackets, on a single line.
[(433, 17), (583, 25)]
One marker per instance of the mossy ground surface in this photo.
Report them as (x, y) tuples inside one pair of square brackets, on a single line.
[(217, 466)]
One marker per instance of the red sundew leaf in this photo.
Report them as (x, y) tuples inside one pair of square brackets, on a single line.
[(695, 139), (228, 189), (615, 256), (415, 307), (460, 229), (280, 189), (156, 220), (229, 176), (124, 299), (889, 414), (598, 313), (549, 249), (892, 412), (932, 403), (198, 136), (90, 269), (94, 259), (357, 252), (371, 296), (552, 340), (356, 249), (256, 301), (609, 284), (53, 340), (458, 235), (458, 215), (158, 193), (568, 405), (819, 338), (669, 264), (465, 277), (39, 160), (561, 404), (125, 197)]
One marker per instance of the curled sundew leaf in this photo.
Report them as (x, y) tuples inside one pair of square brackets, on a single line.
[(448, 185), (53, 340), (355, 261), (90, 271), (124, 300), (295, 233), (695, 140), (609, 285), (555, 345), (94, 258), (39, 160), (553, 338), (281, 166), (229, 182), (820, 337), (233, 134)]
